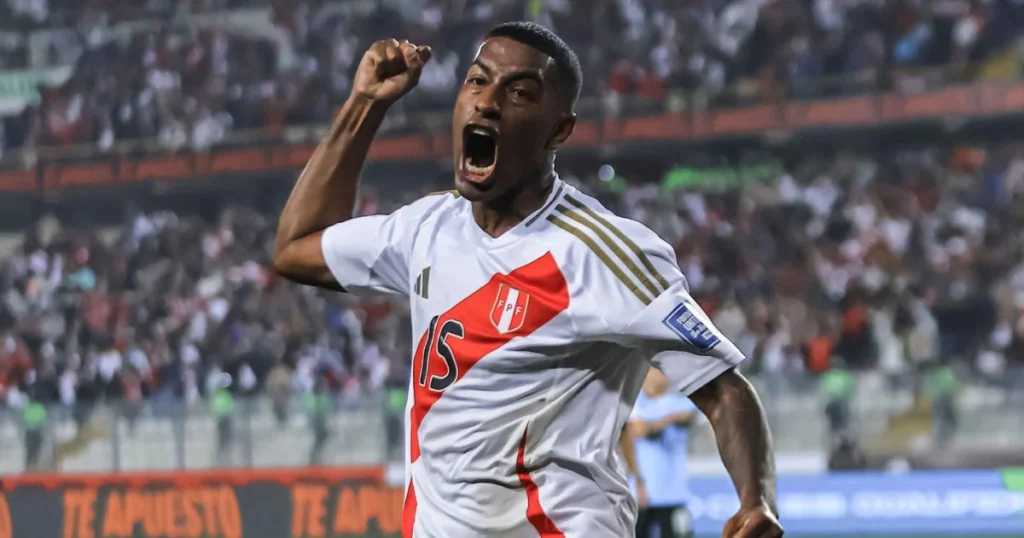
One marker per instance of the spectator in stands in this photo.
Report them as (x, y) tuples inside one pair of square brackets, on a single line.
[(941, 387), (33, 419), (846, 456), (397, 396), (279, 388), (222, 407), (318, 408), (837, 386)]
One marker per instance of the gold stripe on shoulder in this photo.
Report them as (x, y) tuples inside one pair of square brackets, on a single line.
[(644, 260), (449, 191), (601, 255), (611, 245)]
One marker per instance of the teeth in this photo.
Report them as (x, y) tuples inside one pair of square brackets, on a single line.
[(480, 131), (478, 169)]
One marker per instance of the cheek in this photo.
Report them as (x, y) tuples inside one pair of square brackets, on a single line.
[(463, 104)]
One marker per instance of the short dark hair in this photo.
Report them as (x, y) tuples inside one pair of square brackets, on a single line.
[(567, 65)]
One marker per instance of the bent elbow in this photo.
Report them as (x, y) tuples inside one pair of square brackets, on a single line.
[(287, 261), (301, 261), (282, 265)]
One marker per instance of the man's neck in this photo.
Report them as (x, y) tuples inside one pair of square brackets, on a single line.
[(499, 216)]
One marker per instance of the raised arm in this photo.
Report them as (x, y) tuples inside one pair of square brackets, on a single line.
[(745, 444), (325, 193)]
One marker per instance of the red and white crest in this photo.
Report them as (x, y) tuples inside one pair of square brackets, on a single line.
[(509, 309)]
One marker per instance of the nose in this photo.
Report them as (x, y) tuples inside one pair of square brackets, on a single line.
[(487, 107)]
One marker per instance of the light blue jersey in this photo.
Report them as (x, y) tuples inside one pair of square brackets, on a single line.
[(662, 459)]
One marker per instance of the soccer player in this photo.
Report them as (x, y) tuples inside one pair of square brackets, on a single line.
[(658, 427), (537, 311)]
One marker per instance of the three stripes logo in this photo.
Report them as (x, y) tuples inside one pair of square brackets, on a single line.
[(422, 285), (615, 249)]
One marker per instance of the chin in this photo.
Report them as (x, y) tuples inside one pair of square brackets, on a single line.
[(470, 191)]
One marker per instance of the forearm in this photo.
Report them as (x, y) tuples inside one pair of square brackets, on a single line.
[(683, 418), (741, 431), (325, 193)]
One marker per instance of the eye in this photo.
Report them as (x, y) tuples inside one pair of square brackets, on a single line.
[(521, 94), (476, 81)]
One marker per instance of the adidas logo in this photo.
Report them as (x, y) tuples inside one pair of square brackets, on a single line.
[(423, 284)]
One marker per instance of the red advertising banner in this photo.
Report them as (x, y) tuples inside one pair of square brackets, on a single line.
[(300, 503)]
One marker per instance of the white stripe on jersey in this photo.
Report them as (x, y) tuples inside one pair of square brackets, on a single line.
[(509, 310)]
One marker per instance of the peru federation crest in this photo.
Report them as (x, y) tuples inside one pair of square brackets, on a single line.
[(509, 310)]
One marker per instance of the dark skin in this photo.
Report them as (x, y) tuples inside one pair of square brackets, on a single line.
[(512, 90), (745, 446)]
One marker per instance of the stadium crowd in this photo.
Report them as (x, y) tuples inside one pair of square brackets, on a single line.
[(168, 307), (188, 73), (893, 262), (905, 262)]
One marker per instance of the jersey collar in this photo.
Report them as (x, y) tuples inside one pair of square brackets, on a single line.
[(484, 240)]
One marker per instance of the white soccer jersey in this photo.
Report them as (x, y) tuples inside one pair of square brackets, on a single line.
[(532, 350)]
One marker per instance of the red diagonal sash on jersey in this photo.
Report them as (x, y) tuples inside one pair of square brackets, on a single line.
[(508, 306), (549, 296), (534, 511)]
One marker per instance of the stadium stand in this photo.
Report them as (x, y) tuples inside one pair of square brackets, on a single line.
[(163, 340)]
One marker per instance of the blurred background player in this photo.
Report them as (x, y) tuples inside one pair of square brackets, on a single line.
[(658, 427)]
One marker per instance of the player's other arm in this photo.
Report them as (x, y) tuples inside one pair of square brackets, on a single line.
[(745, 445), (680, 340), (682, 418), (325, 193)]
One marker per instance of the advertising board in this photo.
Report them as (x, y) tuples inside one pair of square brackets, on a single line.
[(359, 503), (916, 504)]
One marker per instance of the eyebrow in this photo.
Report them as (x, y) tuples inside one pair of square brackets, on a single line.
[(483, 66), (528, 74)]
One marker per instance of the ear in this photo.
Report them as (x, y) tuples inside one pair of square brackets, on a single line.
[(562, 132)]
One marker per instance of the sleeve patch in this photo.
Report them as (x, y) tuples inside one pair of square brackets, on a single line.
[(690, 328)]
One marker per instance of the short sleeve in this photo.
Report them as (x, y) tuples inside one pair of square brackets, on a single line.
[(681, 340), (630, 292), (371, 254)]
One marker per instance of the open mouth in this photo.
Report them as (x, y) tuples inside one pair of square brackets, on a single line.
[(479, 152)]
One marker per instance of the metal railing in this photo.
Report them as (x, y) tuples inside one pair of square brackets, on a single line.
[(263, 432)]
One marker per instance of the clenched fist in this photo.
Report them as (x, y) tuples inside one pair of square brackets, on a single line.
[(389, 69), (757, 522)]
